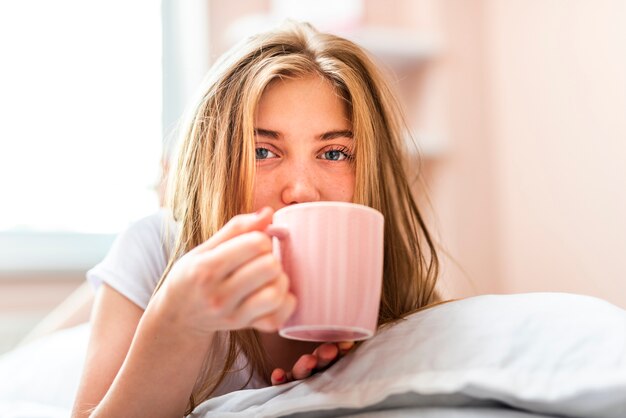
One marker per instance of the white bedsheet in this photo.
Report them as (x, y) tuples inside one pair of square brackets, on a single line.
[(45, 372), (33, 410), (443, 412), (22, 409)]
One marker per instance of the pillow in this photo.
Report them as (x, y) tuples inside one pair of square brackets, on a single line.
[(547, 353), (44, 374)]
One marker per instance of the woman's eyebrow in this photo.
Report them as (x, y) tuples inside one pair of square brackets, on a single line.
[(345, 133), (336, 134), (267, 133)]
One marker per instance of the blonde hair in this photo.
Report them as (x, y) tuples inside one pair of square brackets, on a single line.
[(213, 178)]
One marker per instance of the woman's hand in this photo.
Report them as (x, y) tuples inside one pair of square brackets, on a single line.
[(231, 281), (323, 357)]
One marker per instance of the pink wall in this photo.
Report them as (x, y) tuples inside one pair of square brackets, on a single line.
[(530, 193), (463, 178), (557, 117)]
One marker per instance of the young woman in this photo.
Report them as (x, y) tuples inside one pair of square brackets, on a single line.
[(190, 299)]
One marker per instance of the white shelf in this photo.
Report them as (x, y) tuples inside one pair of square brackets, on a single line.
[(429, 146), (396, 48)]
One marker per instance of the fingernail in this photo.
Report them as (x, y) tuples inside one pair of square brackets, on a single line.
[(281, 379), (344, 347)]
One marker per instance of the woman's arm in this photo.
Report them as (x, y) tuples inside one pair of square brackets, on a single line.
[(151, 374), (113, 322), (231, 281), (160, 370)]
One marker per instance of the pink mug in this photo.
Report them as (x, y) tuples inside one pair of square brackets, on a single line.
[(332, 253)]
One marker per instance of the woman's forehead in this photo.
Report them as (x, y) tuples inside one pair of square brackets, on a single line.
[(310, 100)]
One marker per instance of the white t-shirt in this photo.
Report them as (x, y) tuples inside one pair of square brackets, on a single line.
[(134, 265), (137, 258)]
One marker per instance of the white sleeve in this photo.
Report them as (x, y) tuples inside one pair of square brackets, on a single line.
[(136, 260)]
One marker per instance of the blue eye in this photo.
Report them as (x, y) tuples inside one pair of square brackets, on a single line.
[(334, 155), (337, 155), (263, 153)]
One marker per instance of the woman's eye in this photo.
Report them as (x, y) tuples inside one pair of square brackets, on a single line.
[(336, 155), (264, 153)]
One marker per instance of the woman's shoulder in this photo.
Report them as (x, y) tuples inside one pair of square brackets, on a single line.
[(158, 228), (160, 221)]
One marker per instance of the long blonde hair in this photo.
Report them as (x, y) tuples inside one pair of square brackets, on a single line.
[(213, 176)]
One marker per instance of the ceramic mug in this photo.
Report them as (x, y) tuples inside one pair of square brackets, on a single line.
[(332, 253)]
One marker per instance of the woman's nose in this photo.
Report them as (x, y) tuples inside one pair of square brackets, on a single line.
[(299, 186)]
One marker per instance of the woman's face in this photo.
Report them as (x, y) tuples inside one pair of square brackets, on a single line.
[(304, 144)]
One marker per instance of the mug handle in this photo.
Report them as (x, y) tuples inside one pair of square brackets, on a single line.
[(276, 231)]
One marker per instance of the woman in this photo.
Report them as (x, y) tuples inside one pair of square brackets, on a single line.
[(289, 116)]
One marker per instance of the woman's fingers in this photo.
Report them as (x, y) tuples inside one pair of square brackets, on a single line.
[(304, 366), (273, 321), (238, 225), (279, 376), (345, 347), (326, 354), (216, 265), (273, 300), (322, 357), (243, 282), (234, 278)]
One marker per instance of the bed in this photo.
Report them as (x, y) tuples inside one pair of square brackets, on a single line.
[(517, 356)]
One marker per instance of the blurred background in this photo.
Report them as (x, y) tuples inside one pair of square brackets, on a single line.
[(519, 109)]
